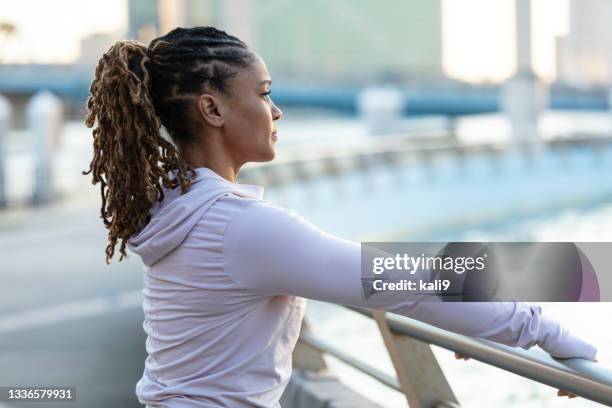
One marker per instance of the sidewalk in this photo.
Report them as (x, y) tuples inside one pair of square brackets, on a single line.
[(17, 217), (66, 318)]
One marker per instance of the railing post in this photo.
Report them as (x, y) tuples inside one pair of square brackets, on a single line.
[(380, 108), (44, 116), (5, 120), (418, 372), (524, 95)]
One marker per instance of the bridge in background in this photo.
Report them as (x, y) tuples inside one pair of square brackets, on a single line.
[(71, 83)]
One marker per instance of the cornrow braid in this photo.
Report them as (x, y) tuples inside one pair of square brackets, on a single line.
[(135, 91), (185, 60)]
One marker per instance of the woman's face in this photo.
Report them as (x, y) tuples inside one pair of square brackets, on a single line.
[(250, 131)]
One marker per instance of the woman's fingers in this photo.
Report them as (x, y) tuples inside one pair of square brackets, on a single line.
[(460, 356), (560, 393), (563, 393)]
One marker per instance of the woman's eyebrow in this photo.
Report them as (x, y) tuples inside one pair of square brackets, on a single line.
[(266, 81)]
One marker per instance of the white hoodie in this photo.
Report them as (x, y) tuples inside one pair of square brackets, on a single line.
[(224, 280)]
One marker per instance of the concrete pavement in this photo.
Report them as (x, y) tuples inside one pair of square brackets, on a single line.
[(66, 318)]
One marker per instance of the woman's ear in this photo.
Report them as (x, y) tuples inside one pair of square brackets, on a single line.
[(212, 109)]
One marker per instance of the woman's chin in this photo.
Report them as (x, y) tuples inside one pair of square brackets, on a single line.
[(272, 154), (266, 156)]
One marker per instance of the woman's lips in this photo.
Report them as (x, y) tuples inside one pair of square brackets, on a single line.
[(274, 137)]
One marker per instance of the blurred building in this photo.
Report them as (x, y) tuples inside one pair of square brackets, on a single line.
[(349, 37), (151, 18), (143, 21), (319, 38), (186, 13), (584, 56), (93, 46)]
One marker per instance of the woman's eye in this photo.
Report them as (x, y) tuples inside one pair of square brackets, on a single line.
[(267, 94)]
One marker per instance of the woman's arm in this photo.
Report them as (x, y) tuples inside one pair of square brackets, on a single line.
[(269, 251)]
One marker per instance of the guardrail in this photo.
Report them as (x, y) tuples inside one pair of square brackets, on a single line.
[(420, 378), (395, 151)]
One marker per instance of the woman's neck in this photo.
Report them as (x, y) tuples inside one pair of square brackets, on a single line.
[(216, 160)]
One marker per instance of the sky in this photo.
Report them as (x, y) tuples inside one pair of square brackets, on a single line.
[(49, 36), (478, 35)]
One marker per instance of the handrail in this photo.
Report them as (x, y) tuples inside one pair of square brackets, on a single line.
[(402, 144), (299, 164), (581, 377)]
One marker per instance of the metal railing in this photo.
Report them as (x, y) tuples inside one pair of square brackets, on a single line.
[(420, 378), (418, 374), (298, 164)]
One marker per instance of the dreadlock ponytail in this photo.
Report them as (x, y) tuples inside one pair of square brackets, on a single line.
[(131, 159)]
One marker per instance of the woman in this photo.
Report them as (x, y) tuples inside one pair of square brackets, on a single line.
[(225, 271)]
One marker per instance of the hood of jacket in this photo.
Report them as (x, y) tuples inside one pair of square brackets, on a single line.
[(175, 216)]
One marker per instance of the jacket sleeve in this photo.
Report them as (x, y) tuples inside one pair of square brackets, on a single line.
[(271, 251)]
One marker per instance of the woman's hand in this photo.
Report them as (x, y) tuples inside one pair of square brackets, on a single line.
[(560, 393), (563, 393), (459, 356)]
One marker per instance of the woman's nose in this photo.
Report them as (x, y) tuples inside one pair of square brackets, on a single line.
[(276, 113)]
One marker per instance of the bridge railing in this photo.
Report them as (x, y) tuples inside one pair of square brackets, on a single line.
[(295, 164), (420, 378)]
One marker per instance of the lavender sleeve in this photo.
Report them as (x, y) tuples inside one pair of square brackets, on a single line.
[(271, 251)]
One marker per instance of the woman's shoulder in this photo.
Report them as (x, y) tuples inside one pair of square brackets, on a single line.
[(230, 206), (232, 203), (266, 220), (248, 212)]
